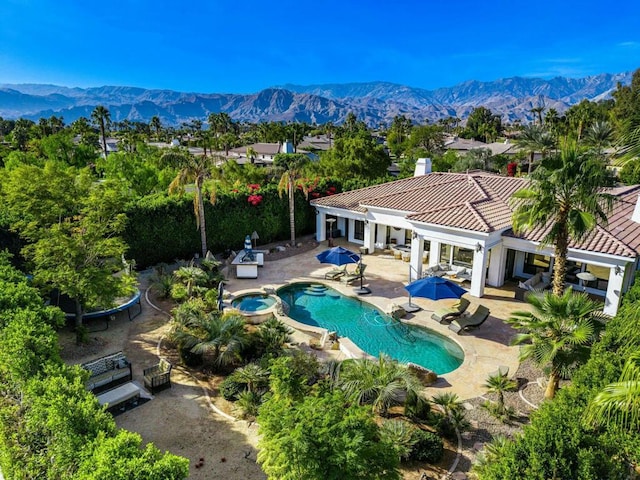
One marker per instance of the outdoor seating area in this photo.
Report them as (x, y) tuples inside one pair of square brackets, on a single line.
[(107, 372), (457, 273), (357, 274), (464, 324), (158, 376), (446, 314)]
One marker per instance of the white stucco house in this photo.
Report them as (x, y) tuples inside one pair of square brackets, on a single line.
[(464, 219)]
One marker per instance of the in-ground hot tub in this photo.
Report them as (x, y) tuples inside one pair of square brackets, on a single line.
[(256, 306)]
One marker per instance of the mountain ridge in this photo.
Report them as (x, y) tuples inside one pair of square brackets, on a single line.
[(373, 102)]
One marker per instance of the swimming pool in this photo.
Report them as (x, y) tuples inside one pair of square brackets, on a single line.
[(369, 328), (253, 302)]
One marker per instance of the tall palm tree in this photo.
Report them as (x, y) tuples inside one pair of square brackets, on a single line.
[(538, 112), (220, 336), (156, 125), (192, 170), (292, 166), (102, 118), (565, 195), (558, 333), (535, 138), (599, 136), (381, 383), (619, 402)]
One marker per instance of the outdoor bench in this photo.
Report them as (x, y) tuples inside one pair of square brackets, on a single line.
[(107, 372)]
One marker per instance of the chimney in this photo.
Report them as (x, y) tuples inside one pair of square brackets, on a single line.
[(423, 167), (287, 147), (635, 216)]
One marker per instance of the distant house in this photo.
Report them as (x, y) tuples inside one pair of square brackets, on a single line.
[(265, 153)]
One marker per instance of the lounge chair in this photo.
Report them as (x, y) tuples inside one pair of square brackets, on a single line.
[(445, 315), (474, 320), (357, 274), (336, 273)]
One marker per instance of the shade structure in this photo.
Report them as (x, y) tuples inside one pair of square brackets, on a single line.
[(434, 288), (338, 256)]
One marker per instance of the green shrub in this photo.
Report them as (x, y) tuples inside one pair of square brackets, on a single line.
[(230, 389), (179, 292), (428, 447)]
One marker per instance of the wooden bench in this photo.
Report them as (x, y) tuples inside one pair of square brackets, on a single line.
[(120, 395)]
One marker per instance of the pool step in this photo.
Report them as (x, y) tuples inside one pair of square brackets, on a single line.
[(316, 290)]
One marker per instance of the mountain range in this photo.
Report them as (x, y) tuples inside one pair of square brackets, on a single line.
[(373, 102)]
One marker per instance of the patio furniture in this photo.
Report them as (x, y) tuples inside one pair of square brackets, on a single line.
[(357, 274), (539, 282), (120, 396), (336, 273), (158, 376), (474, 320), (107, 372), (445, 315)]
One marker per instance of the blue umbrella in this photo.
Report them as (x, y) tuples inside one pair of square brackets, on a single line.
[(434, 288), (338, 256)]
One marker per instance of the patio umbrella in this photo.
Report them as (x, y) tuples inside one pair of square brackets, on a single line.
[(338, 256), (434, 288)]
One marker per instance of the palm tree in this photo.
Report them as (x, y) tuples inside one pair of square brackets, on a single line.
[(221, 336), (538, 112), (191, 276), (500, 383), (252, 154), (192, 170), (599, 136), (565, 195), (535, 138), (252, 375), (102, 118), (382, 383), (292, 165), (448, 402), (619, 402), (558, 333), (156, 125)]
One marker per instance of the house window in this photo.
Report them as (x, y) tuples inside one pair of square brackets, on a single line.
[(358, 230), (445, 253), (535, 263), (463, 256)]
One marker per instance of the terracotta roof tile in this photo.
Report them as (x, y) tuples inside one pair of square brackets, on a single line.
[(479, 201)]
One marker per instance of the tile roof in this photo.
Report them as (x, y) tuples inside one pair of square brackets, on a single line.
[(475, 201), (621, 235), (478, 201)]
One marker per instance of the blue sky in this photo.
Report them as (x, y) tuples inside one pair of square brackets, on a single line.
[(242, 46)]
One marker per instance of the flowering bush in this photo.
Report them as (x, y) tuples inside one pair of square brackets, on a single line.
[(512, 168), (255, 200), (253, 187)]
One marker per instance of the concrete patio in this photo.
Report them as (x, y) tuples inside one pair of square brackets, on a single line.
[(485, 348)]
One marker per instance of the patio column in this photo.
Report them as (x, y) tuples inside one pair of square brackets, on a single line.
[(417, 249), (478, 274), (370, 236), (614, 291), (321, 226), (434, 253), (497, 264)]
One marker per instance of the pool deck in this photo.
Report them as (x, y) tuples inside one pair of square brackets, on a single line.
[(485, 348)]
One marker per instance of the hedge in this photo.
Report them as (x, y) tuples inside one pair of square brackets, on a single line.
[(162, 228)]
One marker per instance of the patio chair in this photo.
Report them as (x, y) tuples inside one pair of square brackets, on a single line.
[(357, 274), (474, 320), (446, 314), (336, 273)]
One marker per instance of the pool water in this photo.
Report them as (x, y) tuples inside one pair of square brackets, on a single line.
[(253, 302), (369, 328)]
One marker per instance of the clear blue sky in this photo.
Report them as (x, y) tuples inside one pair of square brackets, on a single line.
[(241, 46)]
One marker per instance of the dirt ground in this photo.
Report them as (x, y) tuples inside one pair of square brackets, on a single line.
[(180, 419)]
